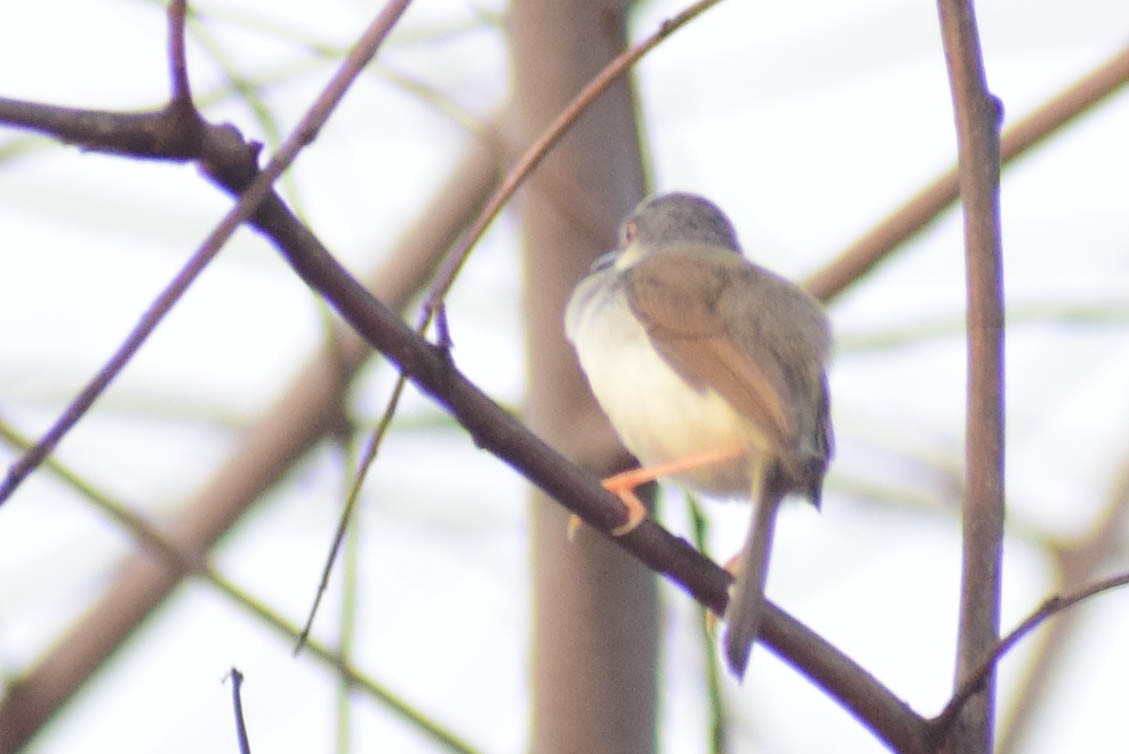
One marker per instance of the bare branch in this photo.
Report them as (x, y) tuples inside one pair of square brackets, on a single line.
[(541, 146), (237, 710), (178, 61), (978, 115), (299, 417), (250, 195), (1052, 606), (1065, 107), (30, 701), (1077, 563), (78, 407), (494, 429), (458, 256), (368, 456), (711, 587), (163, 134)]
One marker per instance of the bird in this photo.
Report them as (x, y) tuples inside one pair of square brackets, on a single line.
[(713, 371)]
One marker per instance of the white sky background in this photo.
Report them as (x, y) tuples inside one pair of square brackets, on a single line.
[(808, 122)]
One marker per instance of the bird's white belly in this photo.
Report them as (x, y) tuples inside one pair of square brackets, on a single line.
[(659, 417)]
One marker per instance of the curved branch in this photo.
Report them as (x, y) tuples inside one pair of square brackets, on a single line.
[(1052, 606), (539, 148)]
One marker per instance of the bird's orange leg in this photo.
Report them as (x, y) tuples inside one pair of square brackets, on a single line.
[(624, 484), (734, 566)]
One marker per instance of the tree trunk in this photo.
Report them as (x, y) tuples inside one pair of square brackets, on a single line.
[(594, 608)]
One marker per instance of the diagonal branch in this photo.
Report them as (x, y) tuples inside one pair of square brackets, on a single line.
[(1077, 563), (1017, 141), (541, 146), (494, 429), (708, 586), (27, 702), (1052, 606), (302, 415), (238, 176)]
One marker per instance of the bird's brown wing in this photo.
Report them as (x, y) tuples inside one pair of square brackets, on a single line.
[(761, 343), (686, 303)]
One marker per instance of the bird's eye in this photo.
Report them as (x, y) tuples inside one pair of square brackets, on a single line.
[(630, 230)]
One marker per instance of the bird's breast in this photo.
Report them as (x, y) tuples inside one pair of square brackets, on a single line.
[(658, 415)]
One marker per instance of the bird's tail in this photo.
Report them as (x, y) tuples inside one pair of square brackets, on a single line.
[(746, 604)]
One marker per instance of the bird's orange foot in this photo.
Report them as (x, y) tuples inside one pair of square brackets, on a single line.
[(623, 485), (636, 511), (733, 565)]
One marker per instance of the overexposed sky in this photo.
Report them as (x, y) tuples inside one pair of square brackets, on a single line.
[(807, 122)]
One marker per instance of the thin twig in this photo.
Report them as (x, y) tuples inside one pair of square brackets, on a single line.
[(178, 62), (541, 146), (252, 196), (1052, 606), (77, 408), (303, 413), (1076, 563), (16, 728), (454, 262), (237, 707), (372, 447), (497, 431)]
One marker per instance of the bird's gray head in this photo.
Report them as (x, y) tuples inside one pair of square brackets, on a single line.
[(678, 218)]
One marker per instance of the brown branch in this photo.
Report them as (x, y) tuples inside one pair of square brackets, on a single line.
[(301, 416), (1077, 562), (251, 190), (978, 677), (368, 457), (78, 407), (494, 429), (712, 595), (163, 134), (445, 278), (978, 115), (178, 62), (914, 216), (23, 709), (541, 146)]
